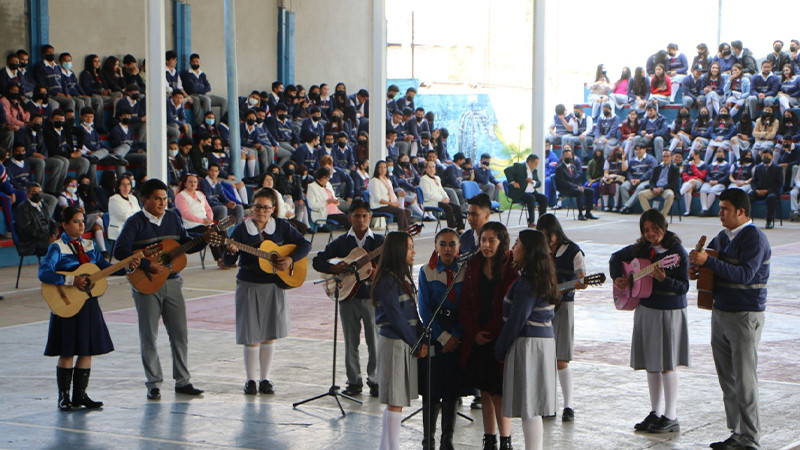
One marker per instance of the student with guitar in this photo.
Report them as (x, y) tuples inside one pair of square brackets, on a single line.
[(151, 225), (660, 341), (358, 308), (84, 334), (262, 314), (569, 262), (741, 272)]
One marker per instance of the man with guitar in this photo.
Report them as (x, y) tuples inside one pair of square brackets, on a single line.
[(154, 224), (741, 271), (355, 307)]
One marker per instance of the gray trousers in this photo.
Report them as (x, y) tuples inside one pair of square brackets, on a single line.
[(80, 165), (734, 344), (490, 190), (285, 152), (353, 312), (169, 305), (56, 167), (626, 197), (222, 211)]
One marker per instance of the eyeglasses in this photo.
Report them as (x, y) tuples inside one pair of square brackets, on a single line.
[(262, 208)]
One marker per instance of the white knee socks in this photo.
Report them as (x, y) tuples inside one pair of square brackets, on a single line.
[(251, 362), (565, 379), (266, 359), (243, 194), (251, 167), (390, 430), (670, 382), (654, 383), (533, 431), (99, 239)]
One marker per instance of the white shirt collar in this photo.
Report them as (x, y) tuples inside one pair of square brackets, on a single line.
[(153, 219), (49, 64), (66, 72), (18, 163), (253, 230), (171, 71), (10, 73), (362, 241), (212, 183), (732, 233), (197, 72)]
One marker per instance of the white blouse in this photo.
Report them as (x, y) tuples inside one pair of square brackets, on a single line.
[(119, 209)]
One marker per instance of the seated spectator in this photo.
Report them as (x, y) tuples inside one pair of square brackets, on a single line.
[(341, 181), (176, 119), (285, 209), (15, 115), (681, 131), (702, 58), (174, 81), (93, 219), (9, 195), (11, 73), (788, 157), (434, 195), (614, 169), (789, 91), (676, 67), (93, 84), (619, 94), (195, 211), (659, 57), (701, 130), (304, 154), (606, 131), (382, 197), (640, 168), (551, 161), (664, 183), (599, 91), (735, 90), (778, 58), (91, 147), (582, 134), (422, 123), (721, 133), (724, 58), (765, 131), (713, 84), (717, 179), (660, 87), (312, 124), (563, 125), (794, 197), (35, 226), (767, 184), (251, 144), (40, 103), (72, 89), (284, 133), (742, 172), (745, 58), (213, 128), (692, 92), (121, 205), (59, 142), (48, 74), (412, 131), (453, 177), (124, 144), (693, 176), (628, 132), (789, 129), (342, 153), (360, 178), (639, 91), (391, 104), (405, 191), (426, 146), (19, 172), (135, 105), (569, 185), (764, 89), (222, 198), (95, 199), (131, 73), (653, 131), (594, 174), (25, 80), (322, 199), (391, 145), (407, 101), (252, 102), (794, 54), (486, 180), (195, 83)]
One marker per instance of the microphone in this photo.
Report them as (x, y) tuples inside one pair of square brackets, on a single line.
[(466, 256)]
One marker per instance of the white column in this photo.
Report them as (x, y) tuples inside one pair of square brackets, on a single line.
[(538, 126), (377, 84), (156, 92)]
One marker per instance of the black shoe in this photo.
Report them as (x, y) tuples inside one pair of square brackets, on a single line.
[(489, 442), (550, 416), (625, 210), (770, 224), (118, 160), (64, 380), (645, 424), (665, 425), (373, 389), (477, 403), (582, 217), (266, 387), (505, 443), (353, 389), (589, 215), (188, 390), (568, 415), (727, 444), (154, 394), (80, 382), (250, 388)]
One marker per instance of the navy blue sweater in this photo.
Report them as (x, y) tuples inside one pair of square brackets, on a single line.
[(341, 247), (249, 269), (525, 315), (667, 294), (741, 271), (396, 311), (565, 268), (194, 84), (49, 77)]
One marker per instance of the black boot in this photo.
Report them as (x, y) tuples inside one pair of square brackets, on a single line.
[(64, 379), (79, 397), (448, 425), (505, 443), (429, 435), (489, 442)]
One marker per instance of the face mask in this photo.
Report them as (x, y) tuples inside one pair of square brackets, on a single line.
[(704, 115), (767, 115), (724, 116), (390, 96), (726, 53), (13, 66), (251, 121), (777, 48), (409, 99), (766, 160), (19, 156), (568, 160), (316, 118), (342, 144), (23, 65), (58, 123), (721, 158), (36, 127), (578, 114), (362, 141), (328, 144), (282, 116), (36, 198), (607, 113), (252, 101), (208, 147), (419, 119), (172, 153), (88, 124), (195, 66), (125, 120), (50, 58), (67, 65), (290, 171), (134, 96), (745, 160), (390, 170), (72, 189), (259, 121)]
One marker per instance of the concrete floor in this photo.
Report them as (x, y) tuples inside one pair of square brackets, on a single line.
[(609, 396)]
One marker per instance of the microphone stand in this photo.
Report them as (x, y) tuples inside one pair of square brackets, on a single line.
[(426, 334), (333, 391)]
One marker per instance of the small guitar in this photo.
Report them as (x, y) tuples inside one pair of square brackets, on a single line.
[(594, 279), (705, 279), (173, 256), (359, 258), (65, 301), (268, 253), (640, 285)]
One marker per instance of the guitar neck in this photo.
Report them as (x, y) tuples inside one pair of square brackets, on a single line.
[(177, 251), (369, 256), (646, 271), (567, 285), (115, 267), (250, 249)]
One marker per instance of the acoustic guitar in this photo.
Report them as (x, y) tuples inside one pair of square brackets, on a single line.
[(268, 253), (594, 279), (66, 301), (173, 257), (705, 279), (362, 261), (640, 285)]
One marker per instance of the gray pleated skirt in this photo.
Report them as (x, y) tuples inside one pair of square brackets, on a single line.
[(564, 330), (261, 312), (660, 339), (529, 378), (397, 372)]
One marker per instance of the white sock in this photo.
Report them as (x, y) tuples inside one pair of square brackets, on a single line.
[(266, 359), (605, 201), (416, 209), (670, 382), (533, 431), (100, 240), (565, 379), (251, 362), (704, 201), (617, 194), (687, 200), (390, 433), (242, 191), (251, 167), (654, 383)]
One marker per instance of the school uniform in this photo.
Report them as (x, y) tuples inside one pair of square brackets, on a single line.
[(569, 261)]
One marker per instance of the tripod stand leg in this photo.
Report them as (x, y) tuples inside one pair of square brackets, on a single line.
[(295, 405), (339, 403), (411, 415), (349, 398), (466, 416)]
